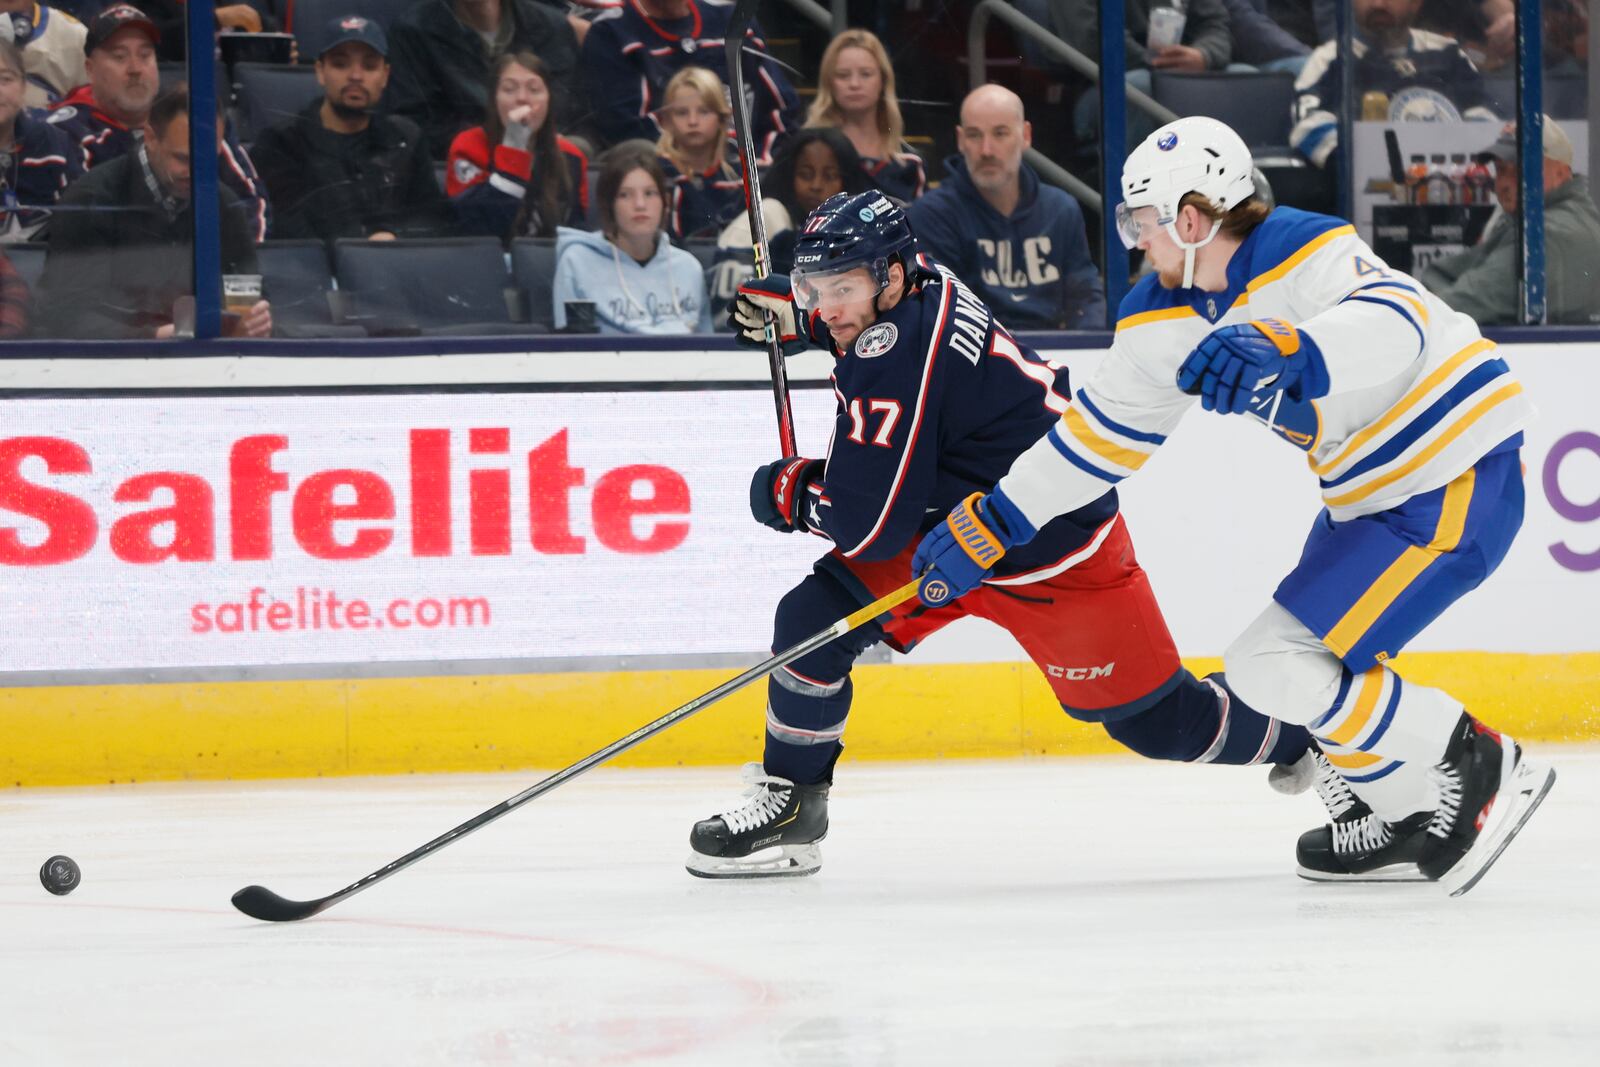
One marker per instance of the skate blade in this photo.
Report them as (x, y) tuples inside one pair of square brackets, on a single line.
[(788, 861), (1395, 872), (1521, 792)]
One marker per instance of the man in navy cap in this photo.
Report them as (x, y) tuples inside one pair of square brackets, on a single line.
[(104, 115), (340, 169)]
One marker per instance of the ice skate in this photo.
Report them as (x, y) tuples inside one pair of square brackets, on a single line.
[(1357, 846), (773, 834), (1487, 790)]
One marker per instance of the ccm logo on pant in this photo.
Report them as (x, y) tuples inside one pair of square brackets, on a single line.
[(1079, 674)]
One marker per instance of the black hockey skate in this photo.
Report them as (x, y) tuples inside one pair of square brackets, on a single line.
[(1357, 846), (1487, 790), (774, 834)]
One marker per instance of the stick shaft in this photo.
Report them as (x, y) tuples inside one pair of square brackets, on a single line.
[(622, 744), (744, 13)]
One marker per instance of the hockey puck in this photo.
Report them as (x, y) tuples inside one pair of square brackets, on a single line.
[(60, 875)]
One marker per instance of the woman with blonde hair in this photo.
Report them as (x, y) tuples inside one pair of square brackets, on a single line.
[(855, 92), (696, 155)]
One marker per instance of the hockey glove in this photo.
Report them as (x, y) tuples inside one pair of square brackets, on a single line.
[(757, 298), (1238, 367), (957, 554), (778, 492)]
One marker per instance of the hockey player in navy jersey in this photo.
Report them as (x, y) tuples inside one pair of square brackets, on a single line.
[(935, 401), (1411, 422)]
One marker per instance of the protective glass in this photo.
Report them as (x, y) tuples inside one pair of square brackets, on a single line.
[(1135, 224), (820, 290)]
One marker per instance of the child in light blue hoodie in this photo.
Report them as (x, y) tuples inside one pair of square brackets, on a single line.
[(636, 280)]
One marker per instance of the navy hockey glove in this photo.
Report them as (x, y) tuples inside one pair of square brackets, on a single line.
[(778, 492), (1238, 367), (957, 554), (755, 299)]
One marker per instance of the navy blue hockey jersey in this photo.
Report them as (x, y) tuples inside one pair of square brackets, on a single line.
[(935, 401)]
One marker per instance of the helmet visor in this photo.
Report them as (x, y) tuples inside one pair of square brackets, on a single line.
[(819, 290), (1136, 224)]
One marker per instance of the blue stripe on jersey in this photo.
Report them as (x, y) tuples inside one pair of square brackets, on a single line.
[(1126, 431), (1387, 285), (1079, 462), (1424, 422), (1388, 713), (1422, 340)]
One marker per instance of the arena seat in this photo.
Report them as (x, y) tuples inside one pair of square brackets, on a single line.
[(297, 281), (533, 270), (439, 285), (268, 93), (1260, 106)]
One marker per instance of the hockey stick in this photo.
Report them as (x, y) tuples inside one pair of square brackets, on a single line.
[(258, 902), (744, 15)]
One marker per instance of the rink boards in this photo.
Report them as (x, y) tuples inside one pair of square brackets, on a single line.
[(511, 562)]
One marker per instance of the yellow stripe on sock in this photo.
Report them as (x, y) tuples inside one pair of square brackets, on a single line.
[(1356, 721), (1355, 761)]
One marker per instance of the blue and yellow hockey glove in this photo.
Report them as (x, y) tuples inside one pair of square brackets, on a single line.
[(957, 554), (778, 493), (1240, 365), (754, 300)]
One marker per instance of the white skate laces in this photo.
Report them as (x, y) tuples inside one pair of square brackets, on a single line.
[(762, 804), (1364, 835), (1333, 789), (1447, 781)]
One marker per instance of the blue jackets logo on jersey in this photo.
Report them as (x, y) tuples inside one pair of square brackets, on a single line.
[(876, 340)]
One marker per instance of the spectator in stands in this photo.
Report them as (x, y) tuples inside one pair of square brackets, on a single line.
[(1482, 281), (14, 302), (52, 48), (442, 51), (705, 179), (814, 164), (636, 280), (172, 16), (123, 81), (338, 169), (634, 48), (1391, 58), (1018, 243), (1206, 44), (1260, 42), (532, 179), (36, 159), (119, 262), (855, 92)]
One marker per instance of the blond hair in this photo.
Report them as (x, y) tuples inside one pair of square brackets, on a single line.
[(1237, 221), (825, 111), (709, 88)]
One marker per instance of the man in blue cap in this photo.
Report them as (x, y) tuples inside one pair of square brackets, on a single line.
[(340, 169)]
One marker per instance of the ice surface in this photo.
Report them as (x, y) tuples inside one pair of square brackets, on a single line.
[(1085, 912)]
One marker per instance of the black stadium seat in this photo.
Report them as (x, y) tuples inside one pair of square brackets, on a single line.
[(442, 285), (533, 268), (1260, 106), (312, 18), (268, 93), (296, 280)]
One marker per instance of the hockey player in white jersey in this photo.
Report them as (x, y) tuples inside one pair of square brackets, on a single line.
[(1412, 424)]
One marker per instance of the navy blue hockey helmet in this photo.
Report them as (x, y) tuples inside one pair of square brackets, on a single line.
[(848, 232)]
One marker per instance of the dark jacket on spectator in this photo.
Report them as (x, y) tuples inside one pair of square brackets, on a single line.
[(13, 301), (902, 175), (1482, 281), (332, 185), (488, 189), (44, 160), (1256, 37), (115, 274), (628, 60), (1078, 23), (1032, 268), (103, 138), (702, 204), (441, 67)]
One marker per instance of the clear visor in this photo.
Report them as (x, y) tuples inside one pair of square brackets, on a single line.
[(820, 290), (1136, 224)]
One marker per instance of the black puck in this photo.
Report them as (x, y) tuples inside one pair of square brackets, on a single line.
[(60, 875)]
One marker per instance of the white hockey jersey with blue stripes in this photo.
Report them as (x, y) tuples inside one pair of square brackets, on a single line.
[(1416, 395)]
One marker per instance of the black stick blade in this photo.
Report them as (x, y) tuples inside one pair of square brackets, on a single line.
[(259, 902)]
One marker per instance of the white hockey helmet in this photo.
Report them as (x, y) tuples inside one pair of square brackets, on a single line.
[(1191, 155)]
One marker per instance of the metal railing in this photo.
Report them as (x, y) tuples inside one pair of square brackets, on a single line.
[(831, 18)]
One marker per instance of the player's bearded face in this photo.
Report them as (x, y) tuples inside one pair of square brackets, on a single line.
[(1159, 248)]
